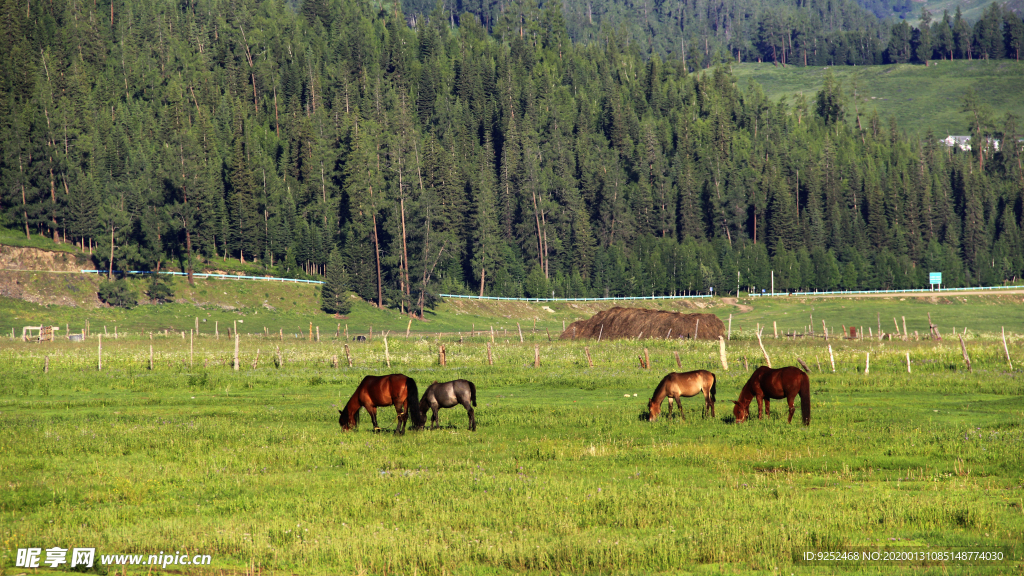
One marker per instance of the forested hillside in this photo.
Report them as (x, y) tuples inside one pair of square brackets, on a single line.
[(442, 158), (815, 32)]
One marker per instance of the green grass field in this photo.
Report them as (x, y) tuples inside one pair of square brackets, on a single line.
[(562, 475), (920, 98)]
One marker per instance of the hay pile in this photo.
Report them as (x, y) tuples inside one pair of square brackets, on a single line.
[(642, 323)]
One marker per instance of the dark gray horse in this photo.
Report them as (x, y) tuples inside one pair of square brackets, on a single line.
[(447, 395)]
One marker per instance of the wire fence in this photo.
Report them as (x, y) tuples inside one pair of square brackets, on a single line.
[(603, 299)]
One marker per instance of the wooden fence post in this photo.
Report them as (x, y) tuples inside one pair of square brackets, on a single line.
[(1006, 350), (600, 333), (99, 352), (216, 329), (802, 364), (590, 362), (348, 356), (729, 334), (46, 364), (520, 332), (908, 362), (824, 329), (721, 353), (766, 358), (408, 328), (831, 358), (647, 360), (256, 360), (963, 348), (490, 361), (440, 354), (905, 334), (679, 363), (775, 324), (696, 329), (150, 356), (387, 354), (536, 355), (317, 333), (867, 363), (190, 345), (236, 346)]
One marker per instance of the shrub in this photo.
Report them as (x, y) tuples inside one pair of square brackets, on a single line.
[(118, 293), (160, 289)]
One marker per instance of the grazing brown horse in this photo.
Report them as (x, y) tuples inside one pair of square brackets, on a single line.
[(766, 384), (394, 389), (683, 385)]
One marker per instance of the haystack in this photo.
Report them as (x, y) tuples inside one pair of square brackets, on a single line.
[(642, 323)]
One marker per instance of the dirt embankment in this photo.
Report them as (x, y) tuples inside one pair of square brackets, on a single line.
[(19, 258), (47, 277)]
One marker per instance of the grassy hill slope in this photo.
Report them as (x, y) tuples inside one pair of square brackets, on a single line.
[(920, 98), (291, 308)]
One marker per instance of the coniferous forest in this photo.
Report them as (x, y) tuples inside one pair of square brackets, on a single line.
[(510, 150)]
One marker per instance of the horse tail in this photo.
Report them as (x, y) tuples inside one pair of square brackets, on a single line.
[(805, 399), (714, 384), (472, 392), (413, 398)]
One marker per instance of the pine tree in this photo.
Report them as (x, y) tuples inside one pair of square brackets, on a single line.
[(334, 293)]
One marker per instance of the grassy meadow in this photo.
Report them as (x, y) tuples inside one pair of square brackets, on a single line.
[(920, 98), (563, 474)]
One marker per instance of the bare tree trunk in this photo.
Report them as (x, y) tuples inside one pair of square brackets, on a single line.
[(188, 243), (110, 270), (540, 241), (376, 251)]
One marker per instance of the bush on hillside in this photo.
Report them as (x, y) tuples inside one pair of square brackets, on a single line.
[(160, 289), (118, 293)]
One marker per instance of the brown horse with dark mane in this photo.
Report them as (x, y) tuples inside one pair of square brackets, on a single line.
[(396, 390), (774, 384), (683, 385)]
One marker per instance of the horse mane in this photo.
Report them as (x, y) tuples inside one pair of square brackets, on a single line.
[(660, 389), (348, 417), (413, 399)]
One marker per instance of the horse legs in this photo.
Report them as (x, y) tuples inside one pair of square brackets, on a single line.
[(679, 404), (403, 415), (669, 411), (762, 402), (373, 417), (471, 414), (435, 422), (767, 409), (792, 408)]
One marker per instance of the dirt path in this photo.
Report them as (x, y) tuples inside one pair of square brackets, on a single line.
[(734, 302)]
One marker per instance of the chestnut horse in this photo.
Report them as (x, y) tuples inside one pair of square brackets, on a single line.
[(683, 385), (394, 389), (766, 384)]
